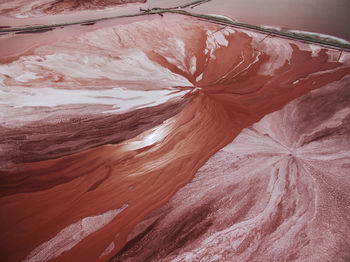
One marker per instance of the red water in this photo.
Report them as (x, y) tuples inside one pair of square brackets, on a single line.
[(212, 82)]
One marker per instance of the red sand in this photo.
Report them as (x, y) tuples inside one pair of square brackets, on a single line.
[(53, 208)]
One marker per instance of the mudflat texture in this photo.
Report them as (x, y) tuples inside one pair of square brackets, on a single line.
[(23, 8), (278, 192), (173, 139)]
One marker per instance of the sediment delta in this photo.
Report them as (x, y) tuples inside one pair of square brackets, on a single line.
[(174, 139)]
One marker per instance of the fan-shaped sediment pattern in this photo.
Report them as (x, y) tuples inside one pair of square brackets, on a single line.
[(220, 80), (279, 191)]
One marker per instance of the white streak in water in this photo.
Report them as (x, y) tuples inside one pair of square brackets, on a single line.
[(108, 250), (279, 52), (71, 236), (193, 64), (199, 78)]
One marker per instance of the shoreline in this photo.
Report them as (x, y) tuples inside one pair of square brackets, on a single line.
[(213, 18)]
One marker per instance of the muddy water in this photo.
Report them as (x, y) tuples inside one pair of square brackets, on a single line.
[(262, 195), (213, 81), (102, 124)]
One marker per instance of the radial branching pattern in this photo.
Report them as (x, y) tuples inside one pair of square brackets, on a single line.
[(104, 127), (279, 192)]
